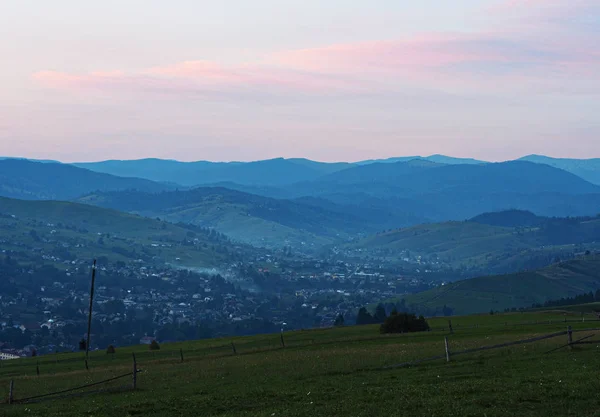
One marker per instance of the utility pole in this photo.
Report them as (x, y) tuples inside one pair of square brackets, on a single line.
[(89, 328)]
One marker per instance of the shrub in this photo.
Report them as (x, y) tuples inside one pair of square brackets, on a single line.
[(110, 350), (154, 345), (404, 323)]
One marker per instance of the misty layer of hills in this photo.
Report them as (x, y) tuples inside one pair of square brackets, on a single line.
[(296, 201)]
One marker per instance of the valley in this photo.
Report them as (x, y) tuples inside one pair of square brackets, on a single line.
[(250, 256)]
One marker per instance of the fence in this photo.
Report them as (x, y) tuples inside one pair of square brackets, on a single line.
[(79, 390), (231, 349), (523, 323), (447, 354)]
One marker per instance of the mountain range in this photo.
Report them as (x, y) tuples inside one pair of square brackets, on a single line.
[(281, 171), (340, 202)]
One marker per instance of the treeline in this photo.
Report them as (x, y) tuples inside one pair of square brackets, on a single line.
[(585, 298), (396, 322)]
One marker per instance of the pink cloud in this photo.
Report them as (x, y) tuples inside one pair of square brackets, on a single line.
[(470, 62), (195, 77), (399, 55)]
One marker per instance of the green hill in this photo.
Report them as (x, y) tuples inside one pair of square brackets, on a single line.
[(474, 245), (477, 295), (244, 217), (70, 231)]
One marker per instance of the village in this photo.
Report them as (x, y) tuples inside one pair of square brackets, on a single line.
[(45, 309)]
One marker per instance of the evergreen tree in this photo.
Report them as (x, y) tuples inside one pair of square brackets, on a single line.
[(339, 320), (404, 323), (363, 317), (380, 314)]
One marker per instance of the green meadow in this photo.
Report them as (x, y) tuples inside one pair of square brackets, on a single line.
[(344, 371)]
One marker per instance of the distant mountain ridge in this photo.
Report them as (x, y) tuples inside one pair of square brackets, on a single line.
[(274, 172), (24, 179), (282, 171), (588, 169)]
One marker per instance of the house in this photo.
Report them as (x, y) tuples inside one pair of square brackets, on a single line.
[(4, 356), (147, 340)]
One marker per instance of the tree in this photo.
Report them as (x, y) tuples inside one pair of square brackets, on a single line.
[(82, 344), (380, 315), (363, 317), (339, 321), (154, 345), (33, 353), (111, 350), (404, 323)]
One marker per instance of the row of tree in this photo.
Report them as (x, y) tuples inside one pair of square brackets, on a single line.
[(585, 298), (396, 322)]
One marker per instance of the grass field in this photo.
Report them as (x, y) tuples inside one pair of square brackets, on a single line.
[(334, 372)]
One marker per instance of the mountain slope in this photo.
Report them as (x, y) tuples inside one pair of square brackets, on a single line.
[(419, 177), (476, 246), (588, 169), (51, 181), (70, 231), (455, 192), (510, 218), (478, 295), (244, 217)]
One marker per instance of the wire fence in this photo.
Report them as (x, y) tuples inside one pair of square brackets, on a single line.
[(241, 347)]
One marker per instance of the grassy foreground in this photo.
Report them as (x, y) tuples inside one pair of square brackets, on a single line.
[(335, 372)]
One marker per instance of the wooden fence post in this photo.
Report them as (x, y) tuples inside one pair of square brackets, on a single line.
[(450, 326), (570, 334), (447, 349), (10, 391), (37, 368), (181, 354), (134, 372), (233, 348), (282, 341)]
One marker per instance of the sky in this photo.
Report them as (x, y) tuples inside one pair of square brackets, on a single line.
[(335, 80)]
